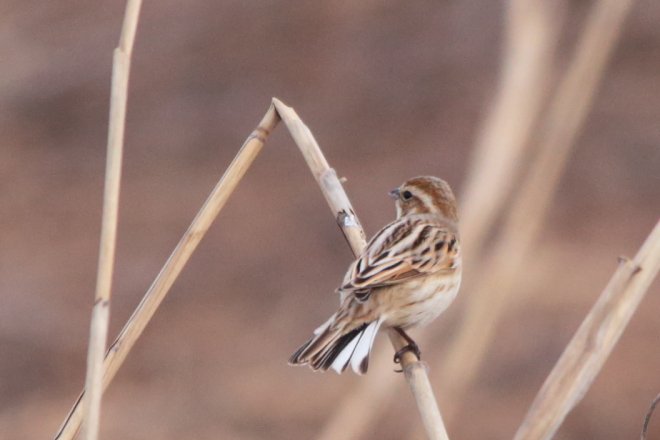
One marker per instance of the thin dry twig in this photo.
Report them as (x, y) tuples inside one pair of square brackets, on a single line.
[(415, 371), (647, 419), (592, 344), (101, 310), (161, 285), (566, 115)]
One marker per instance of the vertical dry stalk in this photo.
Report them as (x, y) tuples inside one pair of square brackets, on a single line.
[(566, 114), (531, 40), (592, 344), (532, 29), (168, 274), (415, 371), (101, 310)]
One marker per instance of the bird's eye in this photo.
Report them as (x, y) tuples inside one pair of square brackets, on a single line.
[(407, 195)]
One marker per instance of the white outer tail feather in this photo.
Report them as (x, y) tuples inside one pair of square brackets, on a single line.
[(358, 349)]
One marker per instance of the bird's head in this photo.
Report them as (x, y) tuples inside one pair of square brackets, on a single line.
[(425, 195)]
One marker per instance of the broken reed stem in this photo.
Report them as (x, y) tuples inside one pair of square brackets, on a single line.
[(168, 274), (415, 371), (592, 344), (101, 309), (566, 115), (346, 218), (325, 176)]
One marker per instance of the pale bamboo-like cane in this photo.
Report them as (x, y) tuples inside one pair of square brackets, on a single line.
[(415, 371), (101, 310), (592, 344), (532, 28), (346, 218), (566, 115), (161, 285)]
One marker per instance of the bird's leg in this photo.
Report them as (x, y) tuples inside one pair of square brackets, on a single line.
[(412, 347)]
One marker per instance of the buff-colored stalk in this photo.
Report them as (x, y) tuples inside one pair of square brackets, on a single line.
[(532, 28), (566, 115), (98, 335), (531, 39), (350, 226), (415, 371), (592, 344), (170, 271)]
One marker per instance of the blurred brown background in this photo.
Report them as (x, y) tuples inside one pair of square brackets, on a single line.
[(391, 90)]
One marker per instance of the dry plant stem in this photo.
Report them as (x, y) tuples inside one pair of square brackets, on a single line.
[(566, 114), (592, 344), (416, 373), (154, 296), (325, 176), (647, 419), (532, 28), (101, 310)]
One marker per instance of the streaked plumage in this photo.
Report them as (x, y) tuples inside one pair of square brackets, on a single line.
[(408, 273)]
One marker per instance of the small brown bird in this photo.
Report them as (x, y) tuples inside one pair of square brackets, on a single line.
[(407, 275)]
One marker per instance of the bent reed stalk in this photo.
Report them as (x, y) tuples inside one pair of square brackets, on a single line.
[(415, 371)]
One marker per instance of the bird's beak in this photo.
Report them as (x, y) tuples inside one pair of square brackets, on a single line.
[(395, 193)]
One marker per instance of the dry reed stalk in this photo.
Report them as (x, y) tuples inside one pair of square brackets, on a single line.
[(184, 249), (584, 356), (532, 29), (325, 176), (415, 371), (345, 216), (566, 114), (101, 311)]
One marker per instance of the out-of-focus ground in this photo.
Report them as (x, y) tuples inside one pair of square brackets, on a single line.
[(390, 90)]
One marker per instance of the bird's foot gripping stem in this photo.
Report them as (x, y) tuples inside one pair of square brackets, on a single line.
[(411, 347)]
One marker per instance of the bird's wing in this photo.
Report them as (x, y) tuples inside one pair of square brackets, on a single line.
[(404, 249)]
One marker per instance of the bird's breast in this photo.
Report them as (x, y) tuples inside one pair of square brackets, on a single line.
[(419, 301)]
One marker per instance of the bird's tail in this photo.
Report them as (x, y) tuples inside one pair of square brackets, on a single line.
[(336, 345)]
